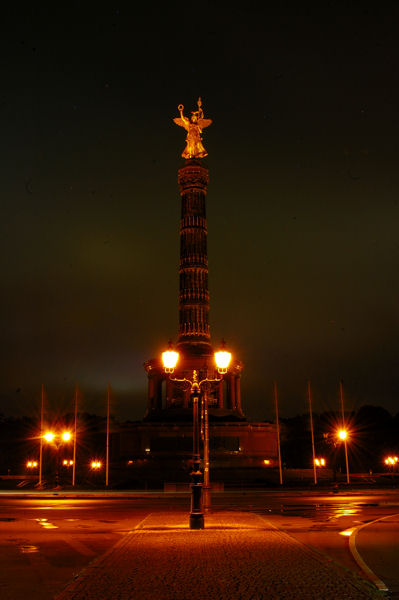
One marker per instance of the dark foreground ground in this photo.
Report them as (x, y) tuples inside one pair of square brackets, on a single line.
[(269, 544)]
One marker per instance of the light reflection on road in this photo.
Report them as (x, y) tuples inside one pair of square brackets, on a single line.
[(347, 532), (346, 512), (322, 511), (28, 549), (46, 524)]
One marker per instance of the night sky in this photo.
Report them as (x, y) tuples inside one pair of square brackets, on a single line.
[(303, 200)]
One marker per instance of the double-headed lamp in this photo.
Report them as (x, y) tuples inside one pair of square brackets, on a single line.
[(170, 358)]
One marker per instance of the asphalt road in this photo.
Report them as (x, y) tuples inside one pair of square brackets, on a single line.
[(46, 541), (378, 545)]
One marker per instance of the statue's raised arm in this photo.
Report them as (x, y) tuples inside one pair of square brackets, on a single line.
[(194, 127), (182, 121)]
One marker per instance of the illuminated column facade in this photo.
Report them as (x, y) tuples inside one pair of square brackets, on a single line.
[(194, 333), (194, 339)]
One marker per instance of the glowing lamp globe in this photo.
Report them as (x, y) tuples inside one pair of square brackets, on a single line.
[(342, 434), (169, 359), (49, 436), (222, 359), (66, 436)]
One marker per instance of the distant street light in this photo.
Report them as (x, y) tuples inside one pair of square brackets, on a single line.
[(391, 461), (320, 462), (222, 360), (57, 439), (32, 464), (343, 435), (95, 465)]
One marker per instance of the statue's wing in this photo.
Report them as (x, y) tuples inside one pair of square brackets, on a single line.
[(180, 122), (204, 123)]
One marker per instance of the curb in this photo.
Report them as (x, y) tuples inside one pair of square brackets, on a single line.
[(362, 564)]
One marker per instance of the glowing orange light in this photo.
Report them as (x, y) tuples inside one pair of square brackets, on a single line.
[(222, 359), (96, 464), (169, 359), (66, 436), (320, 462), (342, 434), (266, 461), (31, 464), (49, 436)]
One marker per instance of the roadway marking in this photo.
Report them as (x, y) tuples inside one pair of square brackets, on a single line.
[(354, 551), (140, 525)]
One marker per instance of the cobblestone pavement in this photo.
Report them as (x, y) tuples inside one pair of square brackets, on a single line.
[(238, 556)]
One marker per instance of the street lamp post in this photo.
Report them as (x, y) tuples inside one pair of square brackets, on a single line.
[(57, 439), (391, 462), (343, 435), (206, 486), (222, 359)]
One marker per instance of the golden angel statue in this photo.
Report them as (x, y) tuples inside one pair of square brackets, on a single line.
[(194, 127)]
